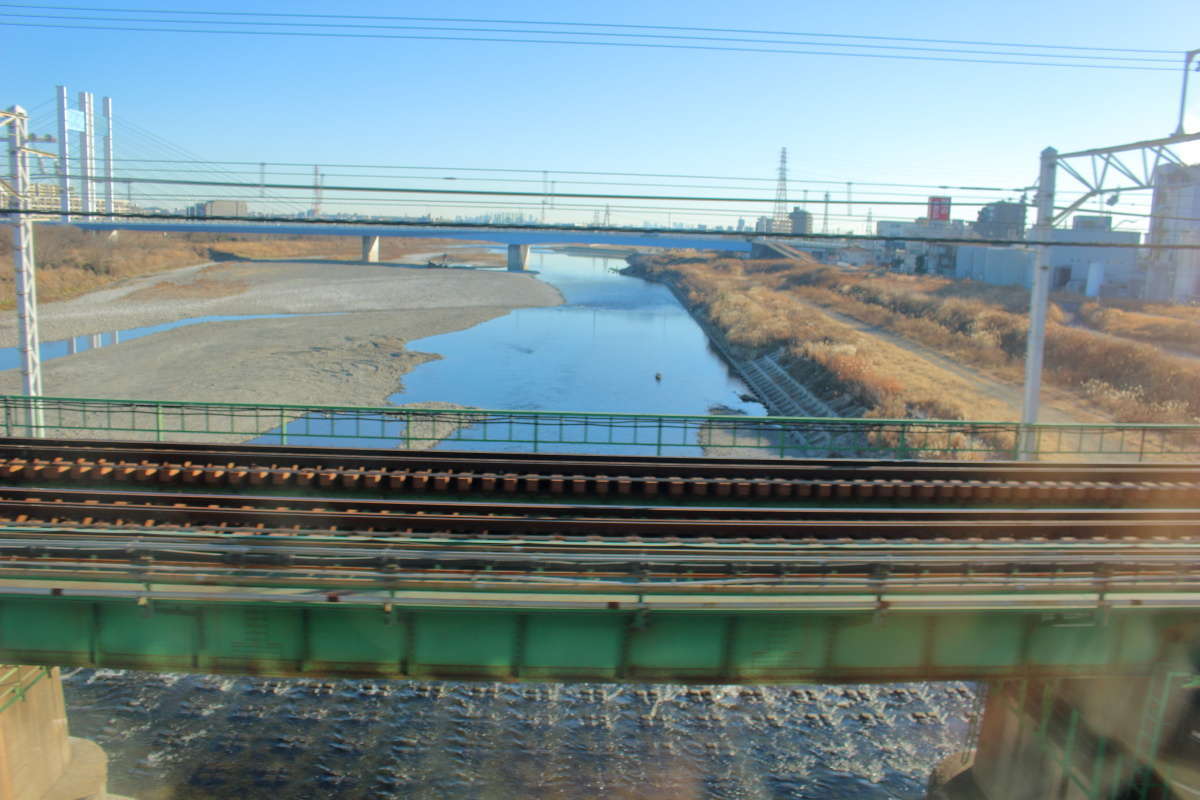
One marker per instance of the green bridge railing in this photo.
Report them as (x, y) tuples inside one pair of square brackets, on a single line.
[(561, 431)]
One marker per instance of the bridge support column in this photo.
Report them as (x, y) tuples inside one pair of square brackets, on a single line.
[(518, 257), (1077, 739), (370, 249), (38, 760)]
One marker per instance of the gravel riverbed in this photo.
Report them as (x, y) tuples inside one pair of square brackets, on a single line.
[(352, 354)]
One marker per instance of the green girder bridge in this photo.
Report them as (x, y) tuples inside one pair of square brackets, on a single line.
[(179, 549)]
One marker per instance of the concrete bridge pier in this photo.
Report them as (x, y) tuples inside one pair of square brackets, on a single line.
[(518, 257), (38, 759), (1079, 739), (370, 249)]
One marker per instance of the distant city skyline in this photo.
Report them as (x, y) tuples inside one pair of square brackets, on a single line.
[(523, 106)]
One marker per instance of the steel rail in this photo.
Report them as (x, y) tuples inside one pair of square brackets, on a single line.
[(138, 559), (1161, 487), (17, 496), (870, 523), (298, 457)]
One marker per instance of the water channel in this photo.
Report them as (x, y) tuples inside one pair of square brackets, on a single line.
[(197, 736)]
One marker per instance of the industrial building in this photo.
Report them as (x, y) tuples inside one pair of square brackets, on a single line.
[(903, 251), (802, 222), (1174, 275), (1001, 220), (218, 208), (1102, 269), (45, 197), (1001, 266)]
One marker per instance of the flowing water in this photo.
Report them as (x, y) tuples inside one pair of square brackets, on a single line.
[(195, 736)]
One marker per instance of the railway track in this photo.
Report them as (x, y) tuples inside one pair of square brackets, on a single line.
[(305, 470), (366, 518)]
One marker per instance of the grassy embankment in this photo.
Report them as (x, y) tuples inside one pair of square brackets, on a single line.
[(1175, 327), (763, 305), (72, 262)]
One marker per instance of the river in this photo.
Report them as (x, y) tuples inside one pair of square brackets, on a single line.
[(198, 736)]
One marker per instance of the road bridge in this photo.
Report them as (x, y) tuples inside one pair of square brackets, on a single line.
[(519, 240)]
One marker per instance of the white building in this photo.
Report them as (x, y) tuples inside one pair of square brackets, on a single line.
[(902, 249), (1097, 270), (1174, 274), (1114, 270), (1002, 266), (45, 197)]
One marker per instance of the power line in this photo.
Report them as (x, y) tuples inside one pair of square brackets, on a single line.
[(307, 187), (253, 179), (563, 24), (512, 30), (587, 43), (605, 173)]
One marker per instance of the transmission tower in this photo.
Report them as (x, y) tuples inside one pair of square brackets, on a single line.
[(779, 217)]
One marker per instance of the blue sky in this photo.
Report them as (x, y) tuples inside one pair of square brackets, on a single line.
[(562, 107)]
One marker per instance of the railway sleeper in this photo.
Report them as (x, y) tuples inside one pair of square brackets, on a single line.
[(1106, 493)]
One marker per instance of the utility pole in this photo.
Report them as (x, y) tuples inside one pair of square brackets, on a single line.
[(19, 150), (1039, 298), (545, 193), (1188, 57)]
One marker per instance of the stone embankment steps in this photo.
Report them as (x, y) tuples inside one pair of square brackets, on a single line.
[(779, 391)]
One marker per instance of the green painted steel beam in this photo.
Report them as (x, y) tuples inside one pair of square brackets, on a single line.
[(580, 644)]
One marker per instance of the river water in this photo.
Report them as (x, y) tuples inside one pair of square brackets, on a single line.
[(197, 736)]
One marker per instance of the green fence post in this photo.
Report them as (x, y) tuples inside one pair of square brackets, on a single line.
[(7, 418), (535, 434), (158, 422), (282, 427)]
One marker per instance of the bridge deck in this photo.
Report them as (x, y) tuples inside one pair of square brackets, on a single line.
[(401, 564)]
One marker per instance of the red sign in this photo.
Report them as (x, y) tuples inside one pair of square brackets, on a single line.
[(939, 209)]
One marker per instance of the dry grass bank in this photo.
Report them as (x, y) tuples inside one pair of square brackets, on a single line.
[(72, 262), (979, 326), (749, 302), (1176, 327)]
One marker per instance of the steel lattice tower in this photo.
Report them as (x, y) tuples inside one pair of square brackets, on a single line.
[(779, 216)]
